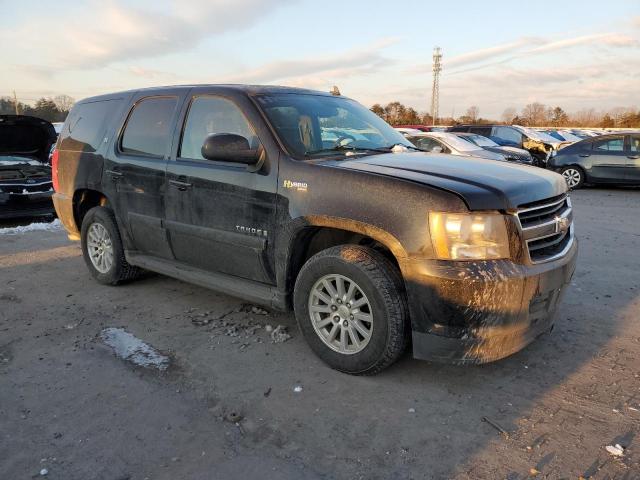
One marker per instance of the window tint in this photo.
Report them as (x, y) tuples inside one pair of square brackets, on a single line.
[(615, 144), (635, 143), (510, 135), (85, 126), (209, 115), (148, 129)]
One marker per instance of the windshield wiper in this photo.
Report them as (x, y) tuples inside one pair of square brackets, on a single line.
[(347, 148), (391, 147)]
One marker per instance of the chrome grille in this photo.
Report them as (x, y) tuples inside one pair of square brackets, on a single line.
[(547, 228)]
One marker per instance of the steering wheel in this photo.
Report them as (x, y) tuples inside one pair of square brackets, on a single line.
[(342, 138)]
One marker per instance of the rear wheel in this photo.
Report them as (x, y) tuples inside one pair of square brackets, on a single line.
[(102, 248), (351, 308), (574, 176)]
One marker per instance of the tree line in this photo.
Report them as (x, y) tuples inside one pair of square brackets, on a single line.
[(53, 109), (532, 115)]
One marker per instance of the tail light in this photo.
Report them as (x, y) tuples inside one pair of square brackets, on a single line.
[(54, 169)]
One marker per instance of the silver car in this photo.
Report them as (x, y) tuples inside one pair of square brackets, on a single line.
[(444, 142)]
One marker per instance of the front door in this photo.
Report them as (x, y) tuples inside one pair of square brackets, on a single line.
[(220, 215), (609, 159)]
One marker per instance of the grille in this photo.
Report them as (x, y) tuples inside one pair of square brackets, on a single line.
[(25, 188), (547, 228)]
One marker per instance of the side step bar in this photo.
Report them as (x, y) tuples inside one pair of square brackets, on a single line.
[(250, 290)]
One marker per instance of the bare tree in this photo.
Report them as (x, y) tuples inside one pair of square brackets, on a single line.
[(473, 113), (64, 102), (535, 114), (508, 115)]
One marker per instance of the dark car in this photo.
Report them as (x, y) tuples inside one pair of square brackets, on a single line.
[(511, 154), (540, 145), (25, 176), (612, 158), (309, 201)]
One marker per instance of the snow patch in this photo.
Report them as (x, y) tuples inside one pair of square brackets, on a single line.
[(33, 227), (132, 349)]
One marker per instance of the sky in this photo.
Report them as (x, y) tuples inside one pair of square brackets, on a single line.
[(496, 54)]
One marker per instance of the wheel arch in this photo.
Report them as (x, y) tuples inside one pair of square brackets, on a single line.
[(317, 233)]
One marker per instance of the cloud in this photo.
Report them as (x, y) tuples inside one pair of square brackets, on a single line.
[(113, 31), (491, 52), (524, 47), (319, 69), (608, 39)]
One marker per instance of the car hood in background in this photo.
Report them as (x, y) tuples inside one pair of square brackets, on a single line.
[(482, 184), (512, 152), (25, 136), (485, 153)]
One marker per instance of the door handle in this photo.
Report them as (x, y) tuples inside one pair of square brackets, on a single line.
[(585, 154), (182, 186), (115, 176)]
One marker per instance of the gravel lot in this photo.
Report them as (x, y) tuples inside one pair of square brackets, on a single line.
[(222, 402)]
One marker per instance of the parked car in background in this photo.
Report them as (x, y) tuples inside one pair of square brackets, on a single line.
[(540, 145), (613, 158), (562, 135), (25, 176), (444, 142), (511, 154)]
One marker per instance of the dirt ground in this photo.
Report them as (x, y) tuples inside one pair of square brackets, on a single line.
[(227, 406)]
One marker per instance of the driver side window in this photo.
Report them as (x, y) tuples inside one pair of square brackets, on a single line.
[(209, 115)]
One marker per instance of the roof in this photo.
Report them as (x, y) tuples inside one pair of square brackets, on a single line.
[(248, 89)]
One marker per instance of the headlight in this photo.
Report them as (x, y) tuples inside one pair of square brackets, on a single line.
[(469, 236)]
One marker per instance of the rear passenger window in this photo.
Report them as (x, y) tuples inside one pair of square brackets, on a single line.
[(209, 115), (148, 128), (85, 127), (615, 144)]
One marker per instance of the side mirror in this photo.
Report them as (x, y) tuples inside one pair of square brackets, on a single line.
[(229, 147), (437, 149)]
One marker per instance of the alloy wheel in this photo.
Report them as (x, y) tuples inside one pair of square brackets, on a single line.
[(341, 314), (100, 247), (572, 177)]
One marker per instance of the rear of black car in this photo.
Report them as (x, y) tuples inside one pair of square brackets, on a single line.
[(25, 176)]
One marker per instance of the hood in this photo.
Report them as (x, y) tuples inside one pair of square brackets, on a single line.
[(24, 136), (488, 154), (512, 153), (482, 184)]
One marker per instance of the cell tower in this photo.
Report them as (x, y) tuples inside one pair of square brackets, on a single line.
[(435, 91)]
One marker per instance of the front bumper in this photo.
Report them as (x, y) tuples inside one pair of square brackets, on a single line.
[(478, 312), (35, 204)]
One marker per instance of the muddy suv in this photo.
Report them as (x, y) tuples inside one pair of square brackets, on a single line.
[(304, 200)]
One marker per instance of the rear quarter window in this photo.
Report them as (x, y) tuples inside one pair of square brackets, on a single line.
[(84, 129)]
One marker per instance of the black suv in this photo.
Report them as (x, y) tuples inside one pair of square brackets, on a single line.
[(305, 200)]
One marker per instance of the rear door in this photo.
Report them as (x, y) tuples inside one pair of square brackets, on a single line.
[(609, 159), (221, 215), (136, 171), (633, 158)]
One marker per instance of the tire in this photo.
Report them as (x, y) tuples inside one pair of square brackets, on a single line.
[(382, 298), (101, 219), (574, 176)]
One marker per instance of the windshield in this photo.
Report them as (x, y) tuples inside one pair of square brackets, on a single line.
[(315, 125), (481, 141), (455, 142)]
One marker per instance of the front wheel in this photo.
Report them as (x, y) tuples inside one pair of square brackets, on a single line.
[(102, 248), (574, 176), (351, 308)]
